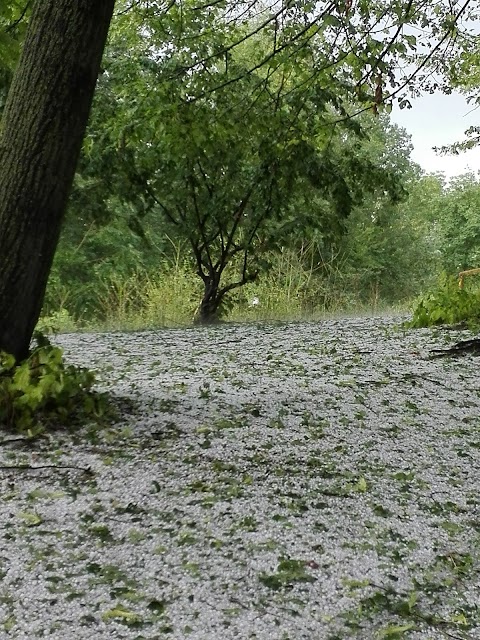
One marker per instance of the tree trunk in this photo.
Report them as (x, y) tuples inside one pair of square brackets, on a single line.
[(209, 308), (42, 128)]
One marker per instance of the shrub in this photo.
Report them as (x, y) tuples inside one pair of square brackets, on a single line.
[(42, 392), (447, 304)]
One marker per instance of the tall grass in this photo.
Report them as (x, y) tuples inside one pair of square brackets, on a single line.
[(297, 286)]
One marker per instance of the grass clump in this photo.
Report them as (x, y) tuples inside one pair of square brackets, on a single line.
[(42, 392)]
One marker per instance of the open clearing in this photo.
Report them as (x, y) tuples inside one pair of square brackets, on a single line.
[(315, 481)]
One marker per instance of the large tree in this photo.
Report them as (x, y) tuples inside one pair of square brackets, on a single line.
[(235, 157), (43, 125)]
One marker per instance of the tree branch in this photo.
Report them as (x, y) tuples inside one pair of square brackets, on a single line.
[(12, 26)]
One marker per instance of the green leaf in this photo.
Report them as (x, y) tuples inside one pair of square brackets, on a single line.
[(30, 518), (119, 612), (7, 362), (395, 631), (22, 376), (361, 485)]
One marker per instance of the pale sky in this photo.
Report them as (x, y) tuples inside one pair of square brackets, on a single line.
[(436, 120)]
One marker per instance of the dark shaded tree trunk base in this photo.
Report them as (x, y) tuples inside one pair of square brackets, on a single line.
[(207, 314), (202, 319)]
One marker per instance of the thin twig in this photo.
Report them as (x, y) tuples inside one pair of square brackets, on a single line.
[(28, 467)]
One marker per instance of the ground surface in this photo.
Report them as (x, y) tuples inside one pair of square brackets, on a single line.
[(282, 482)]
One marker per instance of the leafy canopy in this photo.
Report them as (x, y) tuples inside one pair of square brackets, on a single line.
[(235, 152)]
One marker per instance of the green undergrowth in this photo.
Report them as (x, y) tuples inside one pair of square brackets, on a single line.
[(62, 322), (42, 392), (296, 285), (447, 304), (138, 303)]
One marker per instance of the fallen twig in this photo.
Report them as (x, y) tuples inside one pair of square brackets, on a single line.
[(462, 348), (28, 467)]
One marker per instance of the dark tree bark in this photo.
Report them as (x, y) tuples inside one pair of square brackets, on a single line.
[(42, 128), (209, 308)]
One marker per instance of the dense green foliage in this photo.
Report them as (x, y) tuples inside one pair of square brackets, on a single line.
[(387, 254), (459, 224), (452, 224), (13, 21), (42, 391), (232, 160), (221, 174), (448, 304)]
